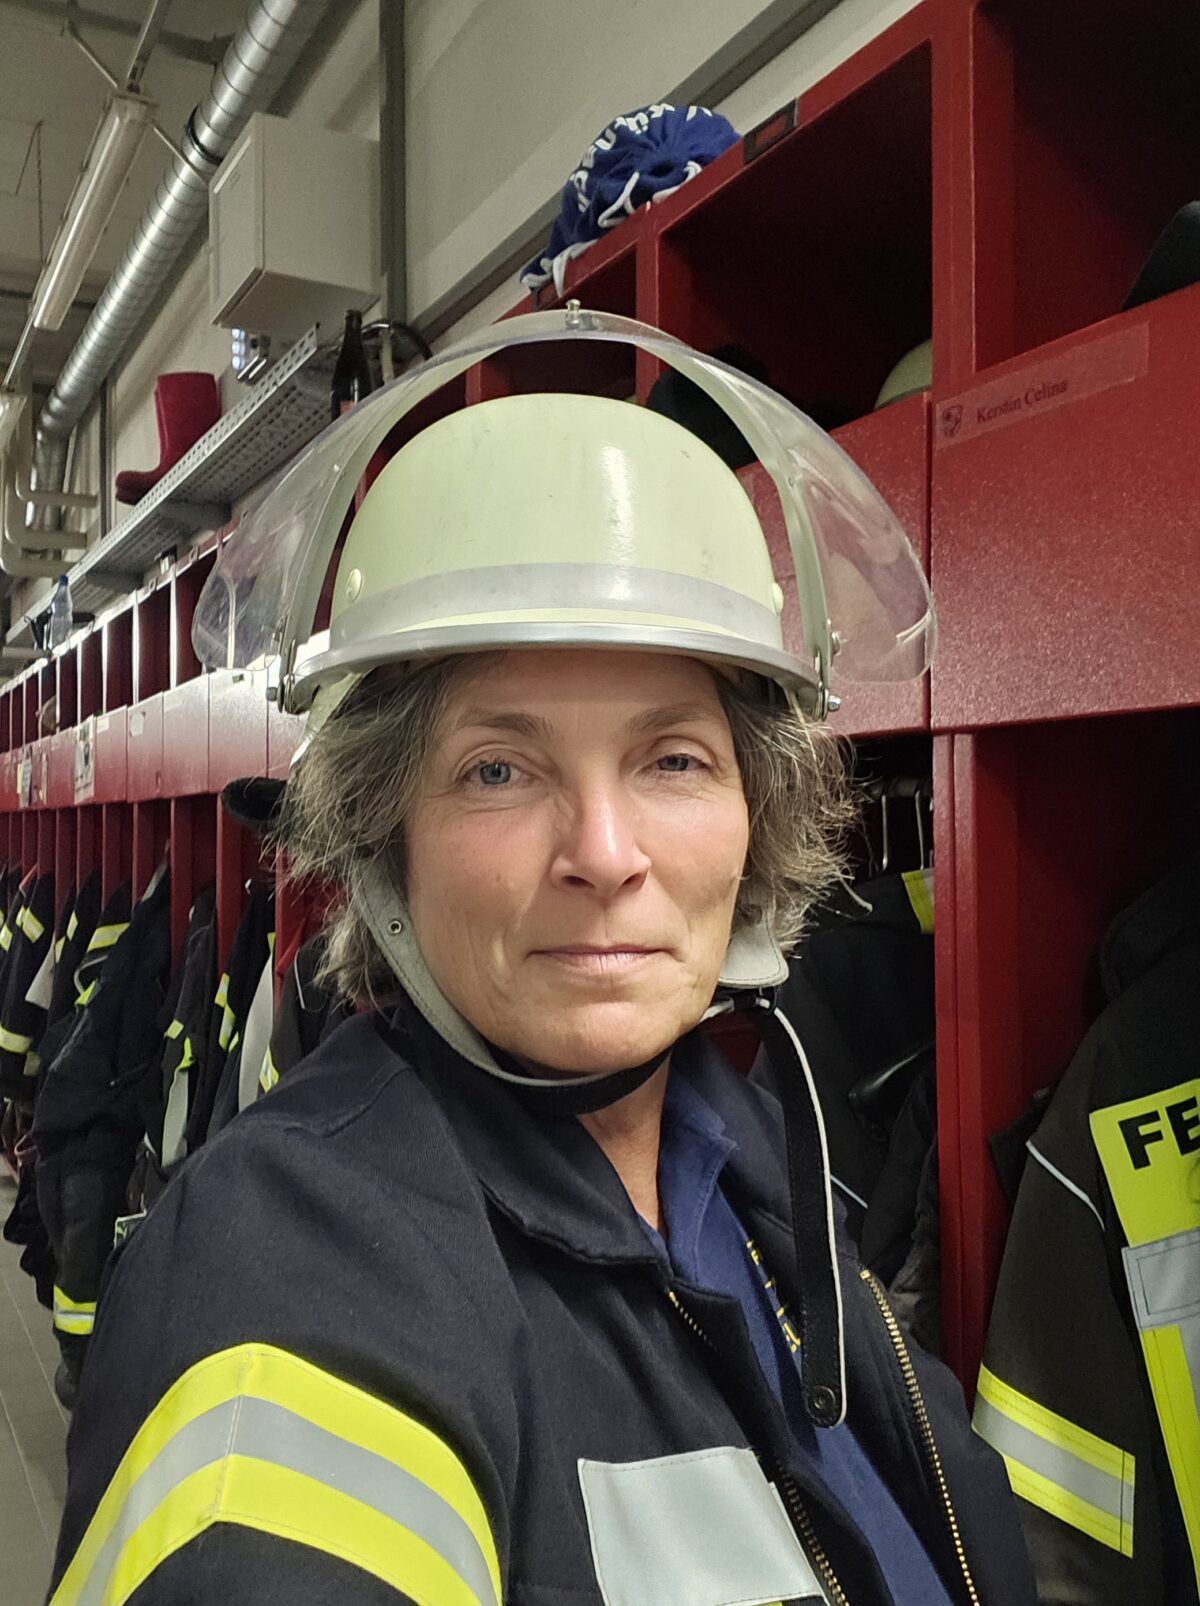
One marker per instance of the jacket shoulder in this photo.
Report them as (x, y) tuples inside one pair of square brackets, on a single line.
[(298, 1264)]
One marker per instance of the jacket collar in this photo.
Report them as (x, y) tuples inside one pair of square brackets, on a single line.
[(551, 1179)]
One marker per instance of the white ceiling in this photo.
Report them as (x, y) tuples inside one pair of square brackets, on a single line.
[(51, 99)]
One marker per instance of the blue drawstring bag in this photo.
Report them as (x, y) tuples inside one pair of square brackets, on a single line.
[(640, 157)]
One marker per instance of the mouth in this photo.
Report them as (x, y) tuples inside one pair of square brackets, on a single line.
[(598, 961)]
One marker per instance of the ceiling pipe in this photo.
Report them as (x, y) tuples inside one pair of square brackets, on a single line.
[(249, 75)]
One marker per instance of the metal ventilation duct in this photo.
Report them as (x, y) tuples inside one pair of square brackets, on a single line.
[(258, 60)]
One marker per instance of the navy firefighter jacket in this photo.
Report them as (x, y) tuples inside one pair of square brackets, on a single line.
[(393, 1336)]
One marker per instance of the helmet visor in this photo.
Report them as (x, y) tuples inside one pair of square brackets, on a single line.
[(860, 586)]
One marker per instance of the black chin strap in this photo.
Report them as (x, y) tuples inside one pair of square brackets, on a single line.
[(585, 1097)]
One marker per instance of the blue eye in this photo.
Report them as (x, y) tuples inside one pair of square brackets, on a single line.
[(675, 763), (496, 773)]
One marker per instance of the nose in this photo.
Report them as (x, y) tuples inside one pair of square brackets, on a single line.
[(598, 848)]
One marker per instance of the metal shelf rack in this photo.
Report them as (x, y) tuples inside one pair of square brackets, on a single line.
[(284, 410)]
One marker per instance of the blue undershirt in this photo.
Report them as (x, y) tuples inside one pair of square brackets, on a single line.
[(709, 1248)]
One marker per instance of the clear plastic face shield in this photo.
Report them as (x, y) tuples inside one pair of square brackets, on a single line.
[(861, 590)]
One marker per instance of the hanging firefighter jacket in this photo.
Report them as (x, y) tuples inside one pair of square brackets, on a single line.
[(168, 1093), (250, 951), (860, 994), (73, 942), (24, 1225), (88, 1119), (309, 1010), (240, 1081), (1090, 1385), (9, 929), (21, 1019)]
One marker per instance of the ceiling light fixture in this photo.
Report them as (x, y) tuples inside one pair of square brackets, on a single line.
[(106, 168)]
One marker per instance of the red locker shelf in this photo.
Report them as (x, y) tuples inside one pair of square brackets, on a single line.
[(185, 738), (237, 726), (1066, 547), (283, 737), (145, 748), (62, 770), (1075, 131), (112, 782), (817, 255)]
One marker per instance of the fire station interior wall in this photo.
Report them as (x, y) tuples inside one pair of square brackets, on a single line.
[(502, 98)]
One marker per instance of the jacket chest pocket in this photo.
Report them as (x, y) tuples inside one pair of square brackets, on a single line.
[(702, 1529)]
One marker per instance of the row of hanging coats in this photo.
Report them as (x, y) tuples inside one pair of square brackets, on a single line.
[(115, 1065)]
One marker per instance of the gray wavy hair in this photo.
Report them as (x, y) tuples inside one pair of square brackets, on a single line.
[(349, 800)]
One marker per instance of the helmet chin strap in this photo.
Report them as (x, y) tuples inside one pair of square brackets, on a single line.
[(753, 961)]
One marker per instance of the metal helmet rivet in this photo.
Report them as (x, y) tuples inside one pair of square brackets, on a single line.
[(354, 584), (777, 595), (395, 927)]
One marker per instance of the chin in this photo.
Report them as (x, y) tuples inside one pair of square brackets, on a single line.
[(603, 1038)]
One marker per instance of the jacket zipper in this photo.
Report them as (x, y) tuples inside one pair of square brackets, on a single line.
[(924, 1430), (792, 1499)]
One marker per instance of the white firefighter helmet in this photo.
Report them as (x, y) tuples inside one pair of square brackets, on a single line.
[(548, 519)]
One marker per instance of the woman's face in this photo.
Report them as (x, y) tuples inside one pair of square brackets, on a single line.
[(575, 855)]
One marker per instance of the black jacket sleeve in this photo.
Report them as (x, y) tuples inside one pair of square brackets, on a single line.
[(261, 1377)]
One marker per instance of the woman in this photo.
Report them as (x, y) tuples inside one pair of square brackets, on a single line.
[(510, 1293)]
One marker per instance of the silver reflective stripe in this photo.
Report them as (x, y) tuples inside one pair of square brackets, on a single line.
[(705, 1529), (1109, 1494), (1059, 1176), (175, 1116), (246, 1426), (1164, 1287), (532, 587), (1164, 1279)]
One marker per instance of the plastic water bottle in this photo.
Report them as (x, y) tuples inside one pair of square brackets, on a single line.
[(61, 615)]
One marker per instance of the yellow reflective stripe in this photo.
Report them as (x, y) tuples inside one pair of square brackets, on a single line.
[(33, 1064), (1148, 1148), (919, 886), (13, 1042), (228, 1018), (5, 936), (73, 1315), (64, 1301), (134, 1528), (1058, 1465), (268, 1076), (31, 925), (186, 1059), (58, 948), (105, 936), (85, 997), (1174, 1384), (173, 1030), (72, 925), (1056, 1429)]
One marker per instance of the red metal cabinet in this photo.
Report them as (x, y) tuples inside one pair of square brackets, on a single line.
[(145, 749), (237, 726), (1065, 541), (111, 750), (185, 738)]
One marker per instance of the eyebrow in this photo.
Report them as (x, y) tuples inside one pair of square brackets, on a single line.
[(539, 729)]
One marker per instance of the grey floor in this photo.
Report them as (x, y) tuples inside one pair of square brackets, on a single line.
[(33, 1430)]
